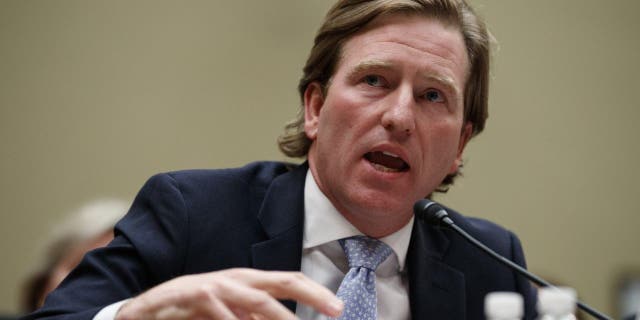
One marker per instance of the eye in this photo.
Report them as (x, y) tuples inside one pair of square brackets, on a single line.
[(373, 80), (433, 95)]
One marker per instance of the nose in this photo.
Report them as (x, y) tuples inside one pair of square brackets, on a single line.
[(399, 118)]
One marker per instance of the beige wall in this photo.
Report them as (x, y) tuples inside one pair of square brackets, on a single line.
[(97, 96)]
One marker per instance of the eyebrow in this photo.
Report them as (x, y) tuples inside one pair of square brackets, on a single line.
[(445, 81), (367, 65)]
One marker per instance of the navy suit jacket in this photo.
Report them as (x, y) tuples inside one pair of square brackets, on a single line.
[(198, 221)]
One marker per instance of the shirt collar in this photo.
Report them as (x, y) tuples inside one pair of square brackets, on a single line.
[(323, 223)]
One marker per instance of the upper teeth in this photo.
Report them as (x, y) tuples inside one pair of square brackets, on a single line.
[(390, 154)]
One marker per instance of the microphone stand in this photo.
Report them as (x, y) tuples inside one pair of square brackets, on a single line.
[(433, 213), (522, 271)]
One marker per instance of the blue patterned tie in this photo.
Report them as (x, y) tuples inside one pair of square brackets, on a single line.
[(358, 288)]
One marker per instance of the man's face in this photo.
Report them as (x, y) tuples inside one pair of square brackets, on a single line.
[(390, 126)]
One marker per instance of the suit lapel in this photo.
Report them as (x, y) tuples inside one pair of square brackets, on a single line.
[(282, 219), (436, 290)]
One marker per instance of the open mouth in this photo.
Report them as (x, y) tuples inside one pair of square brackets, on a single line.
[(386, 162)]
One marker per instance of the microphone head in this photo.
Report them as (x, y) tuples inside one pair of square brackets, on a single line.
[(431, 212)]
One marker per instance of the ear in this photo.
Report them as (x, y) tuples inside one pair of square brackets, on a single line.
[(313, 101), (465, 136)]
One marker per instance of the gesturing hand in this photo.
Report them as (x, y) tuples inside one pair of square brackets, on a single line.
[(230, 294)]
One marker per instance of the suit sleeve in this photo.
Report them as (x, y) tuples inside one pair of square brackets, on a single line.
[(149, 248), (523, 285)]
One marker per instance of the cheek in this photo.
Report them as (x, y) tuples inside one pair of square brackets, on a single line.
[(440, 140), (338, 116)]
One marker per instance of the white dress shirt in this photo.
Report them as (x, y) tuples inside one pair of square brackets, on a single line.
[(324, 261)]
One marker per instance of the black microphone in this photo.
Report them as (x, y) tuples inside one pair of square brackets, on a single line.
[(434, 214)]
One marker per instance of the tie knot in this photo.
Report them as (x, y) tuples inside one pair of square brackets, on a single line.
[(362, 251)]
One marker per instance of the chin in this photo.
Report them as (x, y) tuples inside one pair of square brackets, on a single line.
[(385, 204)]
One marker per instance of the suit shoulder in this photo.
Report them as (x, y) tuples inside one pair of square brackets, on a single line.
[(475, 223), (491, 234), (253, 174)]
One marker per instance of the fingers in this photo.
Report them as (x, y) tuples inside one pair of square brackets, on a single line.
[(212, 306), (293, 286), (176, 299), (257, 304), (231, 294)]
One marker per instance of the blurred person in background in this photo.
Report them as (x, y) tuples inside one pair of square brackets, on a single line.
[(90, 227)]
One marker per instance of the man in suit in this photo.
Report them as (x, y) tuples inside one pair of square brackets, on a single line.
[(391, 93)]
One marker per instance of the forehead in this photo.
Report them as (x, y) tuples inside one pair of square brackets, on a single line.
[(415, 40)]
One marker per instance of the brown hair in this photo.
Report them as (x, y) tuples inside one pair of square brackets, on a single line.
[(347, 17)]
